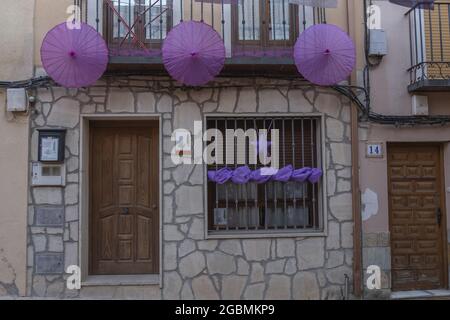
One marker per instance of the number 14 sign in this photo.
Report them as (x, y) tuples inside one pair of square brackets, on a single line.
[(374, 150)]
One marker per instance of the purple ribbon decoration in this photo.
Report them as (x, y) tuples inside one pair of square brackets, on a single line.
[(284, 174), (301, 175), (241, 175), (260, 176), (244, 174), (315, 175), (220, 176)]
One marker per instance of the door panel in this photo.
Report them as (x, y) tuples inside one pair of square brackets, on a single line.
[(124, 218), (415, 196)]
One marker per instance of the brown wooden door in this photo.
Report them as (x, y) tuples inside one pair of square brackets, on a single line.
[(124, 218), (416, 212)]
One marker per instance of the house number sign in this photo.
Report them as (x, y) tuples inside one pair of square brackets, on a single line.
[(374, 150)]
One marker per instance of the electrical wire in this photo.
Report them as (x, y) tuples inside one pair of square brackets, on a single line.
[(27, 84), (350, 91)]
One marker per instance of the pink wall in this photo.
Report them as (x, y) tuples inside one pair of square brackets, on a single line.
[(373, 172)]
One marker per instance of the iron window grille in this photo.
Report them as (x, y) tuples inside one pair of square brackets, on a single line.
[(270, 207)]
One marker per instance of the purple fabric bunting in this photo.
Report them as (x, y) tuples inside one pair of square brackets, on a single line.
[(220, 176), (315, 175), (284, 174), (244, 174), (301, 175), (324, 54), (260, 175), (241, 175)]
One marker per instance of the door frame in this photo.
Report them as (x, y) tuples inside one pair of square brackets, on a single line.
[(84, 185), (441, 172)]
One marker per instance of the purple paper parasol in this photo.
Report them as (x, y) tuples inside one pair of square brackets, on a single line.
[(76, 57), (324, 54), (193, 53), (421, 4)]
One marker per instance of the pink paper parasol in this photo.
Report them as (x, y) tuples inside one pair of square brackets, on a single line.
[(421, 4), (324, 54), (193, 53), (74, 58)]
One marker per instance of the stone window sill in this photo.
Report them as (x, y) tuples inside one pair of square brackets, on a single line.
[(263, 234), (121, 280)]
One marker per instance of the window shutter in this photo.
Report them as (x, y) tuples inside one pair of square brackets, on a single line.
[(437, 39)]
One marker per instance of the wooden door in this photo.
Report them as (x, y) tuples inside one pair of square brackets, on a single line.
[(416, 212), (124, 217)]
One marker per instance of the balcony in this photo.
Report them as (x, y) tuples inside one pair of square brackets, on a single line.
[(430, 47), (255, 32)]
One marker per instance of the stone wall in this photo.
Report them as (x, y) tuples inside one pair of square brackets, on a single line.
[(377, 252), (193, 267)]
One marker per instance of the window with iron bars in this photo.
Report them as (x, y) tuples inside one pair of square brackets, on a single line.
[(271, 207), (246, 26), (265, 21)]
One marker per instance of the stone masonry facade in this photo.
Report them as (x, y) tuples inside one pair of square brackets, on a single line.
[(302, 267)]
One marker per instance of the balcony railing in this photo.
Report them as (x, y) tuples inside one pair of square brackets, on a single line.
[(430, 47), (259, 31)]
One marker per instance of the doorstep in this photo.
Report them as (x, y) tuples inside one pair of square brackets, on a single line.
[(121, 280), (420, 294)]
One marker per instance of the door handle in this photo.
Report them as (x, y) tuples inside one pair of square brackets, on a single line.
[(125, 210), (438, 216)]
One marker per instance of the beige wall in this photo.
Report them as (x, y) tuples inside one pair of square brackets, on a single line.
[(16, 34), (13, 199), (49, 13), (16, 63)]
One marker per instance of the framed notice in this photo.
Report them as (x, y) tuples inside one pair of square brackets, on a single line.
[(51, 145)]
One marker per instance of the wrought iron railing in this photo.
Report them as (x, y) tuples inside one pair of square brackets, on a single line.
[(249, 28), (429, 42)]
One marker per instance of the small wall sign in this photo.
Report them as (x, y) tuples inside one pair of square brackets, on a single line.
[(374, 150), (51, 145)]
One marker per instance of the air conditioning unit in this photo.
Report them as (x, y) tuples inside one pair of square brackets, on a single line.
[(16, 100), (419, 105), (378, 43)]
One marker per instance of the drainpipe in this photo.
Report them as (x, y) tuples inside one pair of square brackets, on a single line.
[(352, 23)]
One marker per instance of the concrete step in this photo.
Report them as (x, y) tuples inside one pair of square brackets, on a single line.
[(421, 295)]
